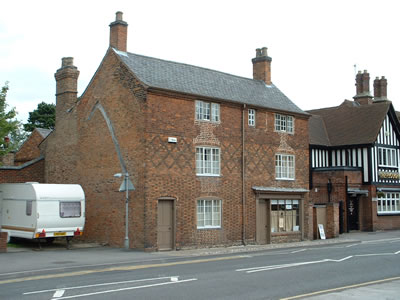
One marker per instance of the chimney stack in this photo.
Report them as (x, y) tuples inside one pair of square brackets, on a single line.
[(363, 95), (66, 86), (262, 66), (380, 89), (118, 33)]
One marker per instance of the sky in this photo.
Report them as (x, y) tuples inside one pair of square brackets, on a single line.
[(316, 46)]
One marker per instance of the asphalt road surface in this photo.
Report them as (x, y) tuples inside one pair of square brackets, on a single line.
[(274, 274)]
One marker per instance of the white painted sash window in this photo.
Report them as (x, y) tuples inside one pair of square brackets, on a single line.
[(252, 117), (207, 161), (387, 157), (284, 123), (389, 204), (206, 111), (284, 166), (208, 214)]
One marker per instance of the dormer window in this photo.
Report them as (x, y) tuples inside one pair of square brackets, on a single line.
[(284, 123), (207, 111)]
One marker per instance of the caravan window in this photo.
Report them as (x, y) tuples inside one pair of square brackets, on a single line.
[(70, 209), (29, 207)]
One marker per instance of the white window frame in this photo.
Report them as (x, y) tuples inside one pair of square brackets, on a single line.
[(284, 167), (207, 111), (208, 161), (284, 123), (209, 213), (389, 204), (387, 157), (251, 117)]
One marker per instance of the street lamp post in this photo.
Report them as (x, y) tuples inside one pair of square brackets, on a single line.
[(126, 187)]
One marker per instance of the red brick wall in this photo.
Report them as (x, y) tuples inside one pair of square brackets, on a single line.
[(29, 149), (171, 167), (33, 172), (332, 220), (3, 242)]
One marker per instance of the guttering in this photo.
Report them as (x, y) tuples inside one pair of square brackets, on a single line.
[(243, 180)]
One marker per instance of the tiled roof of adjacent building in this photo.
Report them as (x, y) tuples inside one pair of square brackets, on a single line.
[(44, 132), (183, 78), (347, 124)]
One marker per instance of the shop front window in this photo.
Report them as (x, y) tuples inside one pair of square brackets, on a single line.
[(285, 215)]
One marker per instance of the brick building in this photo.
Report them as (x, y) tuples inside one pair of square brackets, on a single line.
[(27, 164), (215, 158), (354, 159)]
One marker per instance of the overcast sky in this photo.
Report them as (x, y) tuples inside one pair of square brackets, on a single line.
[(314, 45)]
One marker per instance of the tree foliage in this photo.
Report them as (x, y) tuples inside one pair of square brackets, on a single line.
[(44, 116), (11, 133)]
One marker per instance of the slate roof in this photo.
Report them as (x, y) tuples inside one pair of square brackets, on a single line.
[(44, 132), (347, 124), (189, 79)]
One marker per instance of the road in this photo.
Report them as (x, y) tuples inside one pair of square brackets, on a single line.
[(273, 274)]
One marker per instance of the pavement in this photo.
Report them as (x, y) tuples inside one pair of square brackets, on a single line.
[(27, 256)]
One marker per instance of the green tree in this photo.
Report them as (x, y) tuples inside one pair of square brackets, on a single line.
[(11, 133), (44, 116)]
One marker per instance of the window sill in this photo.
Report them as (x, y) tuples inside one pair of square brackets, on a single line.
[(285, 233), (282, 131), (286, 179), (388, 214), (206, 228), (208, 121), (208, 175)]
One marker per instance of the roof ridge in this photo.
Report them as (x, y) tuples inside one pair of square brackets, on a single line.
[(190, 65)]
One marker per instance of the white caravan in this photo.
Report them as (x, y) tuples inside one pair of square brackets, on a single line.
[(42, 211)]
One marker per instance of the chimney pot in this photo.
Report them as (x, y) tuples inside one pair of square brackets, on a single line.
[(264, 51), (118, 16), (258, 52), (67, 62)]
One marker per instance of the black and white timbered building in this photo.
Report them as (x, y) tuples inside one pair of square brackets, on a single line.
[(355, 158)]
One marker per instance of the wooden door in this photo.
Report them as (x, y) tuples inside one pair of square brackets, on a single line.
[(165, 225), (321, 218), (262, 224)]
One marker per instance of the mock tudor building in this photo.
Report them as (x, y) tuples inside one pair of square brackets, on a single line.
[(214, 158), (354, 159)]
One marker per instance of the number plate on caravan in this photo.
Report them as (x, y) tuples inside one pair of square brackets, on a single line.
[(59, 233)]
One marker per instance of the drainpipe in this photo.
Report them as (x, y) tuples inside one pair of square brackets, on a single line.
[(347, 203), (243, 180)]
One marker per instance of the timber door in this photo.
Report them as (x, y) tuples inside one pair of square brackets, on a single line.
[(262, 222), (352, 213), (165, 225)]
